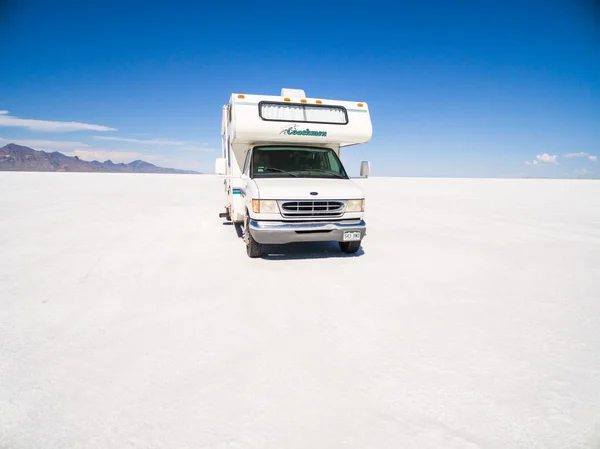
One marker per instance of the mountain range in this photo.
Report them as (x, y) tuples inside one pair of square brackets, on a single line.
[(15, 157)]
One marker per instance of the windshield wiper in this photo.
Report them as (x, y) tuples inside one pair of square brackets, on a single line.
[(329, 172), (281, 171)]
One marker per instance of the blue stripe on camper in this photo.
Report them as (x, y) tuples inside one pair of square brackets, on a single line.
[(236, 191)]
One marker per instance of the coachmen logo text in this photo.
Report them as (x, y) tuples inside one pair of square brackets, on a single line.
[(294, 131)]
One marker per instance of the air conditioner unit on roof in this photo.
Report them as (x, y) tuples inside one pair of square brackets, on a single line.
[(292, 93)]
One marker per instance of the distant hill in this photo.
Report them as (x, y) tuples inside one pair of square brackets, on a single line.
[(19, 158)]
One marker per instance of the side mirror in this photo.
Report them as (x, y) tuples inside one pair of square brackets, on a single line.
[(365, 169), (221, 166)]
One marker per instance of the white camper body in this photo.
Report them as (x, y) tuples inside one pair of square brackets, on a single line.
[(282, 175)]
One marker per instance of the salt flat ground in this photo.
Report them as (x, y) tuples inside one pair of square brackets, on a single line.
[(130, 316)]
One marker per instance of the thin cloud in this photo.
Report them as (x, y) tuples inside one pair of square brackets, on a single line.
[(583, 172), (580, 154), (160, 142), (47, 125), (593, 158), (546, 158), (543, 159), (196, 148), (142, 141), (46, 145)]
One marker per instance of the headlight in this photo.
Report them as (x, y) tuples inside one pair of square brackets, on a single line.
[(265, 207), (355, 205), (269, 207)]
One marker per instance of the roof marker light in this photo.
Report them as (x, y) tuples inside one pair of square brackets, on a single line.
[(319, 102), (286, 99), (360, 105), (241, 96), (303, 100)]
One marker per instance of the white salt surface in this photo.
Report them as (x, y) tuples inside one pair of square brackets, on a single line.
[(130, 316)]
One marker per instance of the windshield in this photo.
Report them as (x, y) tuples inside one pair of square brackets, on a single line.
[(296, 162)]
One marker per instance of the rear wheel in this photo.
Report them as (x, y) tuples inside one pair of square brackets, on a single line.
[(350, 247), (253, 248)]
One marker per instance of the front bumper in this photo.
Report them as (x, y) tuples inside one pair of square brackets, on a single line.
[(278, 232)]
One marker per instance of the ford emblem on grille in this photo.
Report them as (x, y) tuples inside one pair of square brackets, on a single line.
[(314, 193)]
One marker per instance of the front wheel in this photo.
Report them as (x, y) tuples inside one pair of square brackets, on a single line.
[(350, 247), (253, 248)]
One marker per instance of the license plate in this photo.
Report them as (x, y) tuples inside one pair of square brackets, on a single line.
[(350, 236)]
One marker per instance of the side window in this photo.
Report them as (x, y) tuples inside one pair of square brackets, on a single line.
[(332, 162), (247, 162)]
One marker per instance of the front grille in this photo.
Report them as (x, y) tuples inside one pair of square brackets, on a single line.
[(301, 209)]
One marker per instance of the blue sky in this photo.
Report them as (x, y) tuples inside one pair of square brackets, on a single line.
[(467, 88)]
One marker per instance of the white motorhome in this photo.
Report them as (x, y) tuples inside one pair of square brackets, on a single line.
[(283, 177)]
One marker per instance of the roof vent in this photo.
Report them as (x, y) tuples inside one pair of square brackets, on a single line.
[(293, 93)]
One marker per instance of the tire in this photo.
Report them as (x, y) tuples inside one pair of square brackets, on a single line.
[(253, 248), (350, 247)]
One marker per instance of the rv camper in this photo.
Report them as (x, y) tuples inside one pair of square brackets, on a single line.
[(282, 175)]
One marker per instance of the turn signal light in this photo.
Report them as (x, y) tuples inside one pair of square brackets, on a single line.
[(256, 206)]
